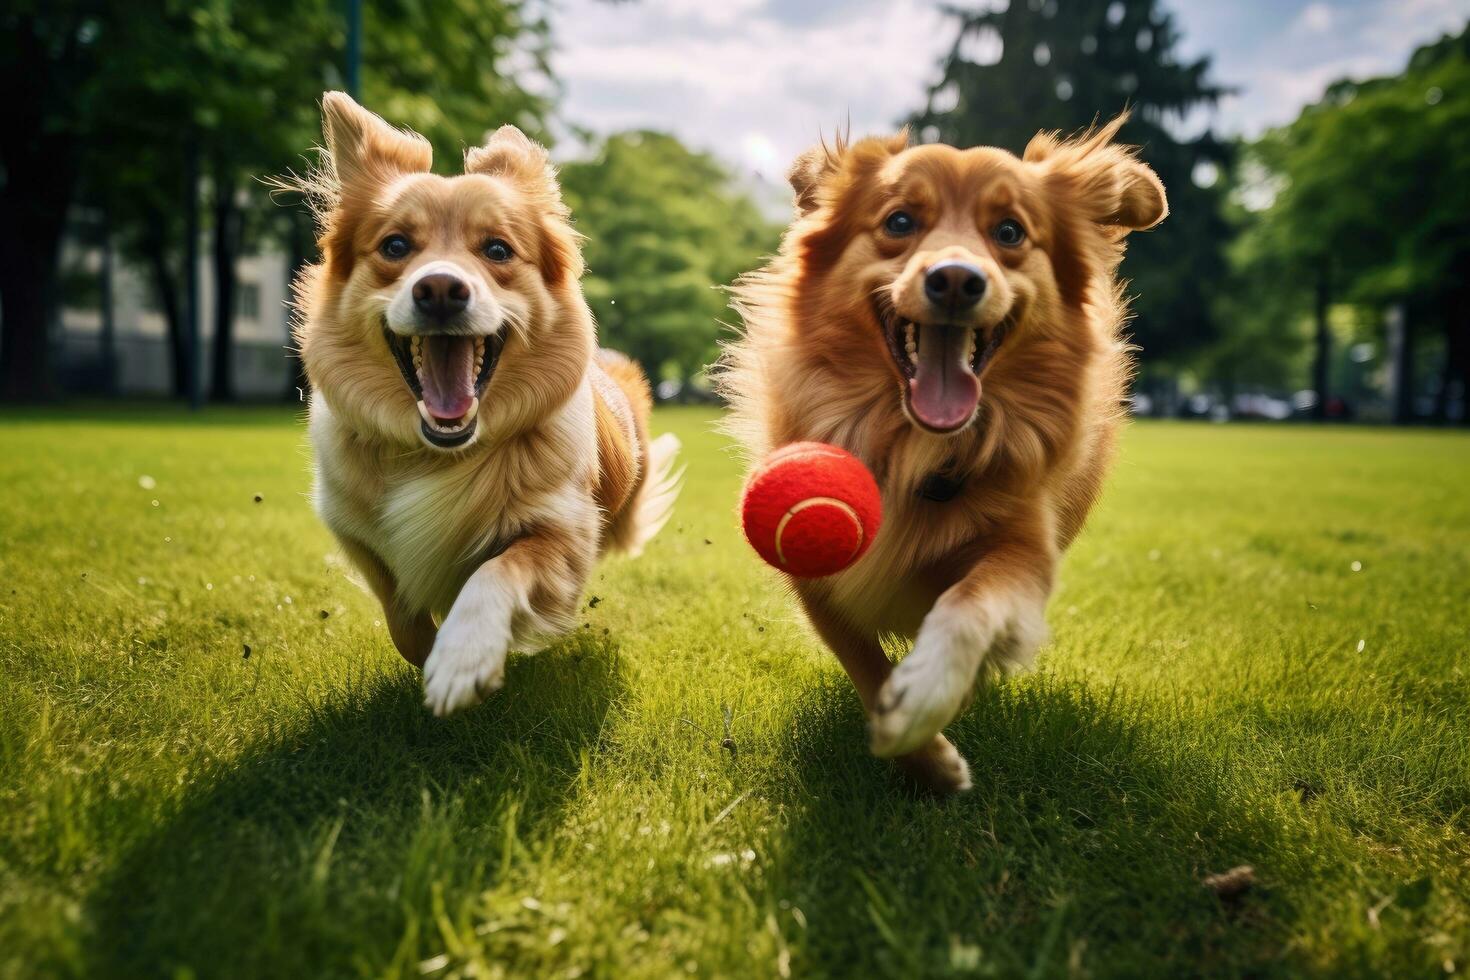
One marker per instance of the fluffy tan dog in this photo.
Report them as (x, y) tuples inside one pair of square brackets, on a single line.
[(475, 452), (952, 317)]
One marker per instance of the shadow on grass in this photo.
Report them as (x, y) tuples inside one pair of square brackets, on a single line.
[(1080, 850), (316, 846)]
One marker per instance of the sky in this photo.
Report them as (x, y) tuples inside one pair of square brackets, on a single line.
[(758, 81)]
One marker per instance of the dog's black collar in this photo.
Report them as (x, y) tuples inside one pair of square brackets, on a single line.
[(943, 485)]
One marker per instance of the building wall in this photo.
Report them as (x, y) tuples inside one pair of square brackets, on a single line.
[(262, 368)]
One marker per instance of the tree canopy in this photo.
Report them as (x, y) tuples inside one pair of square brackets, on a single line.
[(1046, 64), (1366, 195), (113, 103), (667, 228)]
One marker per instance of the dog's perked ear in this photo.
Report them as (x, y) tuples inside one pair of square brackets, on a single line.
[(364, 150), (812, 172), (511, 154), (807, 173), (1107, 181), (508, 152)]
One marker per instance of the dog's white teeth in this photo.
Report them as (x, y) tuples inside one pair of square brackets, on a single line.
[(418, 355), (970, 346), (911, 344), (450, 430)]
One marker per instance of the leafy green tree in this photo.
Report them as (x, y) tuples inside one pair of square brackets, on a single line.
[(1370, 203), (51, 66), (1048, 64), (666, 228), (112, 102)]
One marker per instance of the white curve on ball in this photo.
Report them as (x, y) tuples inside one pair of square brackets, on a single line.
[(842, 505)]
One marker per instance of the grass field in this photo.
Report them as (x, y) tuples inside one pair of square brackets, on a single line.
[(213, 763)]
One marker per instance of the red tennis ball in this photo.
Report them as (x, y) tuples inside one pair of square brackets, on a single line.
[(811, 509)]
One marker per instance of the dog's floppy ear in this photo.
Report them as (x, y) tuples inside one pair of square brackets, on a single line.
[(813, 170), (363, 149), (1107, 181), (512, 154)]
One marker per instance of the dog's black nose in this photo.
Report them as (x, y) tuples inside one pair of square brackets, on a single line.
[(954, 285), (441, 296)]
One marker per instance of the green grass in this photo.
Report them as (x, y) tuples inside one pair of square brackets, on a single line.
[(1223, 688)]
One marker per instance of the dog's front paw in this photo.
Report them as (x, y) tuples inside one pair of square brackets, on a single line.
[(934, 683), (467, 663), (925, 691)]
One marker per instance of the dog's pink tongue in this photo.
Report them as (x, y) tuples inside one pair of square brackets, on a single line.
[(447, 376), (944, 391)]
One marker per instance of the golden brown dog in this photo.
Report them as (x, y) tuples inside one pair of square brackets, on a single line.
[(475, 452), (952, 317)]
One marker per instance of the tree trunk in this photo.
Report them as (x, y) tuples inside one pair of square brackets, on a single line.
[(167, 290), (227, 220), (1440, 413), (33, 207), (1322, 355), (109, 321), (27, 302), (191, 273), (1401, 347), (38, 160), (1456, 359)]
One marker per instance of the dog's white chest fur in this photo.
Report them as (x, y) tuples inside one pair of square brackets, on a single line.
[(432, 523)]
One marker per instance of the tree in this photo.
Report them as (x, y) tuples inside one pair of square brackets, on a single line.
[(1370, 203), (666, 228), (111, 101), (1046, 64), (49, 62)]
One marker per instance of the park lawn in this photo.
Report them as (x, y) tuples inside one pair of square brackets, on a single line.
[(1259, 658)]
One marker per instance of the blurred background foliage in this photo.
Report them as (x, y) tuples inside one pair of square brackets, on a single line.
[(1316, 269), (666, 228)]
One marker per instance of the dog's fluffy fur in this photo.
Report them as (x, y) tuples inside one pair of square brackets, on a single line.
[(475, 457), (827, 325)]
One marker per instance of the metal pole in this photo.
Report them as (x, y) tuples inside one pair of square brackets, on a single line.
[(109, 322), (354, 48), (191, 270)]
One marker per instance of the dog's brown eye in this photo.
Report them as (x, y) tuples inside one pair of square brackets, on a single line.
[(899, 224), (395, 247), (496, 250), (1009, 233)]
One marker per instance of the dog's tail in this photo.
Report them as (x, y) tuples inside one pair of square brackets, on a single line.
[(654, 505)]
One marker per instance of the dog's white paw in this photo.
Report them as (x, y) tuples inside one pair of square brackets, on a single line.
[(926, 690), (932, 685), (467, 663)]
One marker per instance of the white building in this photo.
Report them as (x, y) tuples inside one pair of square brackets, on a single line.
[(262, 367)]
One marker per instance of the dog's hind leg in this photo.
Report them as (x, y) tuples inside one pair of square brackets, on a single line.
[(936, 766)]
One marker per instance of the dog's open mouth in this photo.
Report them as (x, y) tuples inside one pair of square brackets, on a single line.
[(448, 374), (942, 364)]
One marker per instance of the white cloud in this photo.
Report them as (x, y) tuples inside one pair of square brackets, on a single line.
[(756, 89), (1290, 64), (1314, 19), (758, 81)]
